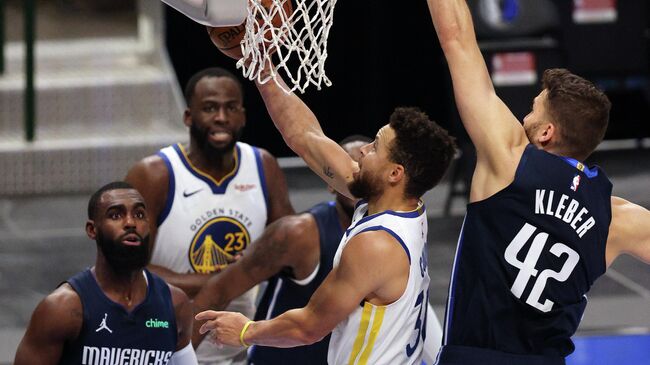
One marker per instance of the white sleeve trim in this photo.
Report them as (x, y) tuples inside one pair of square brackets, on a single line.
[(184, 356), (309, 278)]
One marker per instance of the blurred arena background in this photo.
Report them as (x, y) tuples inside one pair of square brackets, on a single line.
[(107, 92)]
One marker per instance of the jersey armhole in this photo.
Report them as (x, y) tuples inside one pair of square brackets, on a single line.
[(75, 286), (518, 172), (308, 279), (262, 176), (171, 190), (522, 161), (392, 233)]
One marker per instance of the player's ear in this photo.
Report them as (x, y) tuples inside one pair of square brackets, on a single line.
[(91, 231), (548, 132), (187, 117), (396, 174)]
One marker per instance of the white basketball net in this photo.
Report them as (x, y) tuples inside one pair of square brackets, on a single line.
[(298, 41)]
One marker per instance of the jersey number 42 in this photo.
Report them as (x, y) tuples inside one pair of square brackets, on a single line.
[(527, 267)]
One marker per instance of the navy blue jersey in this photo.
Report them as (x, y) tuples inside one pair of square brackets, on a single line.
[(525, 260), (111, 335), (283, 294)]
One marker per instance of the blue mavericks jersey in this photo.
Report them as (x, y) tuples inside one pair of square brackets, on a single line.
[(283, 294), (525, 260), (111, 335)]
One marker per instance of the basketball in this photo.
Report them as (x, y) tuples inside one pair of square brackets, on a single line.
[(228, 39)]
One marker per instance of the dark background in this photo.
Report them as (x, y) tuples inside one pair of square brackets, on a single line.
[(386, 54)]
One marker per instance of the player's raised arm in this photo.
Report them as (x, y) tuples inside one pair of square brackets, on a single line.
[(629, 231), (493, 128), (303, 134)]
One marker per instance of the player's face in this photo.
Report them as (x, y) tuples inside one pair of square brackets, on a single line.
[(216, 116), (373, 165), (535, 119), (121, 230), (354, 150)]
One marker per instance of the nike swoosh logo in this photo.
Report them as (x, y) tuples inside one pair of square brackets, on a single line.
[(187, 195)]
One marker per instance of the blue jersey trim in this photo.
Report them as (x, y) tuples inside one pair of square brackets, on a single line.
[(217, 187), (449, 313), (411, 214), (591, 173), (359, 202), (171, 190), (260, 172), (392, 233)]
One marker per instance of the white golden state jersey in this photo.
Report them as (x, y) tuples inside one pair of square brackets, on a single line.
[(206, 222), (391, 334)]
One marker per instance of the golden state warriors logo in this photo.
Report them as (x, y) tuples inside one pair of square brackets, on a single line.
[(217, 243)]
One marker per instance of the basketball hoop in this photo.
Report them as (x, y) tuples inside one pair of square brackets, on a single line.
[(297, 45)]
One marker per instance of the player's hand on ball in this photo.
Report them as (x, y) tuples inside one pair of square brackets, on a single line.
[(225, 327)]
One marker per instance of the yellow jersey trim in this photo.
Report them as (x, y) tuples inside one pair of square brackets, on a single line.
[(362, 349), (207, 176), (374, 330)]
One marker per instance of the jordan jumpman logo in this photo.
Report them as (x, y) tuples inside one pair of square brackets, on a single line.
[(103, 326)]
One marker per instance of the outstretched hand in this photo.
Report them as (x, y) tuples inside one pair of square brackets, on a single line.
[(224, 327)]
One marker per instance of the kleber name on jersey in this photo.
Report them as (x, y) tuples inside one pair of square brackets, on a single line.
[(564, 208)]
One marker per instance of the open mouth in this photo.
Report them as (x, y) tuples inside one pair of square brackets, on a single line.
[(220, 136), (131, 239)]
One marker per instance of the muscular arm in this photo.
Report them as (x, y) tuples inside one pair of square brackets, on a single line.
[(497, 134), (629, 231), (151, 178), (289, 242), (56, 319), (373, 267), (303, 134), (279, 204)]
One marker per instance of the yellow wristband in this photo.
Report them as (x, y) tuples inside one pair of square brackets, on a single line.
[(241, 334)]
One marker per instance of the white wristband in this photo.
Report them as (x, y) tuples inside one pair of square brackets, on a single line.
[(184, 356)]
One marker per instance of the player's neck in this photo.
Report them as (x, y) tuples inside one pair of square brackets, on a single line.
[(558, 151), (214, 163), (344, 218), (391, 200), (125, 288)]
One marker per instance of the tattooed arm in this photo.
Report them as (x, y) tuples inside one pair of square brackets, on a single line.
[(290, 243), (303, 134), (56, 320)]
